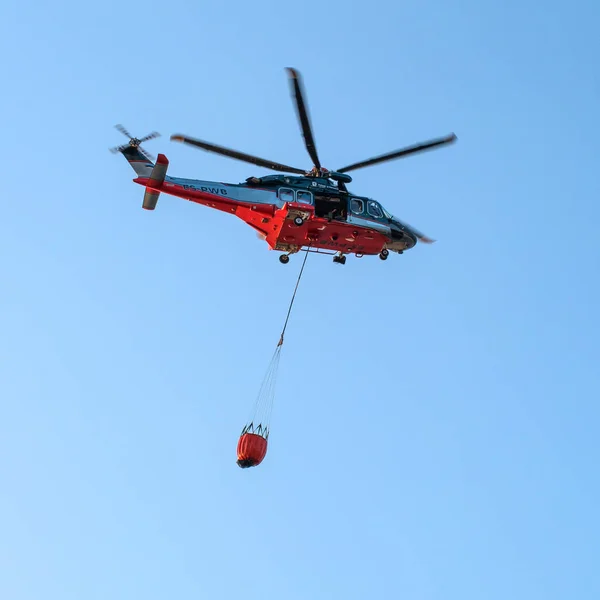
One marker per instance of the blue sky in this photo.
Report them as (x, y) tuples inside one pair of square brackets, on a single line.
[(435, 427)]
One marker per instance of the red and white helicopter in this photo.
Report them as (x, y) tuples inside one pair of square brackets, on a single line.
[(312, 210)]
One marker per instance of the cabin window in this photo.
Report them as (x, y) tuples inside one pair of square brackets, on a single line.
[(356, 206), (374, 209), (305, 197), (286, 195)]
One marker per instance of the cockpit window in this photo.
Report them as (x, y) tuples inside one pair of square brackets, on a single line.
[(374, 209), (356, 206)]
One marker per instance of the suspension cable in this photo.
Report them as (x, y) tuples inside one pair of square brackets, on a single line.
[(292, 301), (260, 416)]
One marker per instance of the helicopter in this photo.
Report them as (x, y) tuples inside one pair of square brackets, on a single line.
[(312, 210)]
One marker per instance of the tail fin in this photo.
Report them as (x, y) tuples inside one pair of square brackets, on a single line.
[(153, 185), (139, 162)]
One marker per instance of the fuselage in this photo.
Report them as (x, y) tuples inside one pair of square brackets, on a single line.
[(332, 220)]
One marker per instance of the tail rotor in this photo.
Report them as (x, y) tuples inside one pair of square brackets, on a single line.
[(134, 142)]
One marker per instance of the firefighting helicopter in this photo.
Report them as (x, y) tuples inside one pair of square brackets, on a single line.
[(312, 210)]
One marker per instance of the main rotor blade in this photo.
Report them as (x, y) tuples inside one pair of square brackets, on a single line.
[(255, 160), (302, 112), (420, 236), (401, 153)]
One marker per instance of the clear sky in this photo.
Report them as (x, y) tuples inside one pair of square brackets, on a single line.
[(435, 432)]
